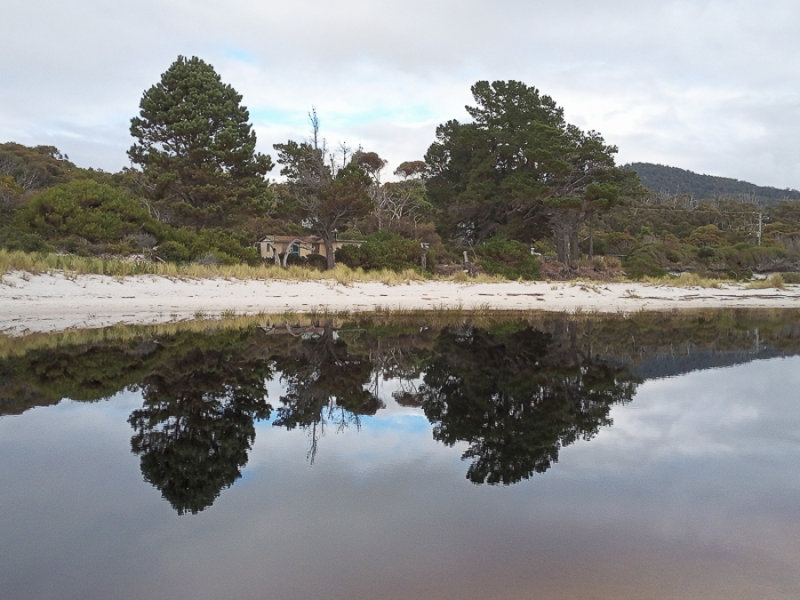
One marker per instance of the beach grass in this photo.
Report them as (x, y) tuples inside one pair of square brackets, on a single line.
[(686, 280), (72, 265), (776, 280)]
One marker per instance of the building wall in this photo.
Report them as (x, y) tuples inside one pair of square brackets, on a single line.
[(307, 246)]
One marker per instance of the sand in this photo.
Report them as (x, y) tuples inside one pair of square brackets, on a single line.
[(55, 302)]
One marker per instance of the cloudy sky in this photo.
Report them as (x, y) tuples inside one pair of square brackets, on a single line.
[(709, 86)]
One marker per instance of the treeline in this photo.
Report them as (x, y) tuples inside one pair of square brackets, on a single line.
[(672, 181), (516, 191)]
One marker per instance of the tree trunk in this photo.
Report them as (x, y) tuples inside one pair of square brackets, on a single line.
[(574, 249), (330, 253)]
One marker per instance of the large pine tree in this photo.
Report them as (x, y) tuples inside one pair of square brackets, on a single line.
[(519, 169), (196, 148)]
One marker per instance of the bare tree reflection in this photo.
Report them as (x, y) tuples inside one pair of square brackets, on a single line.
[(325, 385)]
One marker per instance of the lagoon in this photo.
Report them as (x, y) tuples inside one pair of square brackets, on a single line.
[(647, 456)]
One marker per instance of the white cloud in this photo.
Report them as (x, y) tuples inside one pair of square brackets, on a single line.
[(699, 84)]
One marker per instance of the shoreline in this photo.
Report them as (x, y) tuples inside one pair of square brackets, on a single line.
[(55, 302)]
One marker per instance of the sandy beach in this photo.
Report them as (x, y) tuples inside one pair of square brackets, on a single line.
[(54, 302)]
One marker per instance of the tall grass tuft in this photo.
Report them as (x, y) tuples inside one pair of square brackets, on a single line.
[(775, 280), (685, 280)]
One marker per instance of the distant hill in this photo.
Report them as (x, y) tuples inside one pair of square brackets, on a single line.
[(672, 180)]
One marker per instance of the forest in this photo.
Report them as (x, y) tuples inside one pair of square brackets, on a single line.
[(516, 192)]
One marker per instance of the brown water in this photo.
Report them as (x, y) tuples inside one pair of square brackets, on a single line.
[(500, 462)]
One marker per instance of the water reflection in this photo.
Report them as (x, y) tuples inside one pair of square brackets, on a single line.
[(517, 397), (196, 424), (515, 393), (324, 382)]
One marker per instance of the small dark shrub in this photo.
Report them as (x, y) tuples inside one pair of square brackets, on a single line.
[(382, 251), (508, 258), (173, 251), (648, 260)]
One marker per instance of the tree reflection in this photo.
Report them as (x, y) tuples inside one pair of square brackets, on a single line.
[(196, 425), (324, 384), (517, 398)]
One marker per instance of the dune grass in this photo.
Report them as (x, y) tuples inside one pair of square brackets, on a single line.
[(686, 280), (72, 265), (775, 280)]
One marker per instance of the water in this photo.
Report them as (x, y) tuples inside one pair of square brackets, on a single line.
[(552, 458)]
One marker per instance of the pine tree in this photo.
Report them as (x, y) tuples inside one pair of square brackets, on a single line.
[(196, 148)]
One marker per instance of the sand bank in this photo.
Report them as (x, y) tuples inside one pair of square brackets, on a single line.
[(53, 302)]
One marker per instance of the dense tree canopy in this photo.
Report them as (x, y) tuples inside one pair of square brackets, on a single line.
[(517, 167), (196, 147), (34, 168)]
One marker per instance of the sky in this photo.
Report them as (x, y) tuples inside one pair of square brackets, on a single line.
[(712, 86)]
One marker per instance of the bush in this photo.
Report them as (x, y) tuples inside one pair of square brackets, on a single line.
[(382, 251), (228, 247), (508, 258), (96, 212), (707, 235), (13, 239), (648, 260), (172, 251)]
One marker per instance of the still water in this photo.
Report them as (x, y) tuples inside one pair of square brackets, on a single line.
[(550, 457)]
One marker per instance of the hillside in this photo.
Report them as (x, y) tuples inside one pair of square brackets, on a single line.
[(674, 181)]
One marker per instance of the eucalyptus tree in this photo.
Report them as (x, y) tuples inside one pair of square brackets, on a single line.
[(196, 147), (328, 197), (519, 169)]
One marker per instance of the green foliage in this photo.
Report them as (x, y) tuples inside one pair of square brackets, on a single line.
[(197, 149), (618, 243), (707, 236), (748, 257), (34, 168), (324, 198), (10, 193), (382, 251), (508, 258), (84, 216), (89, 218), (214, 246), (14, 239), (671, 180), (519, 163), (647, 260)]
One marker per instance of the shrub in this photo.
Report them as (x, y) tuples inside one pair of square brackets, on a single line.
[(707, 235), (173, 251), (508, 258), (648, 260), (95, 212), (614, 242), (382, 251), (14, 239)]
